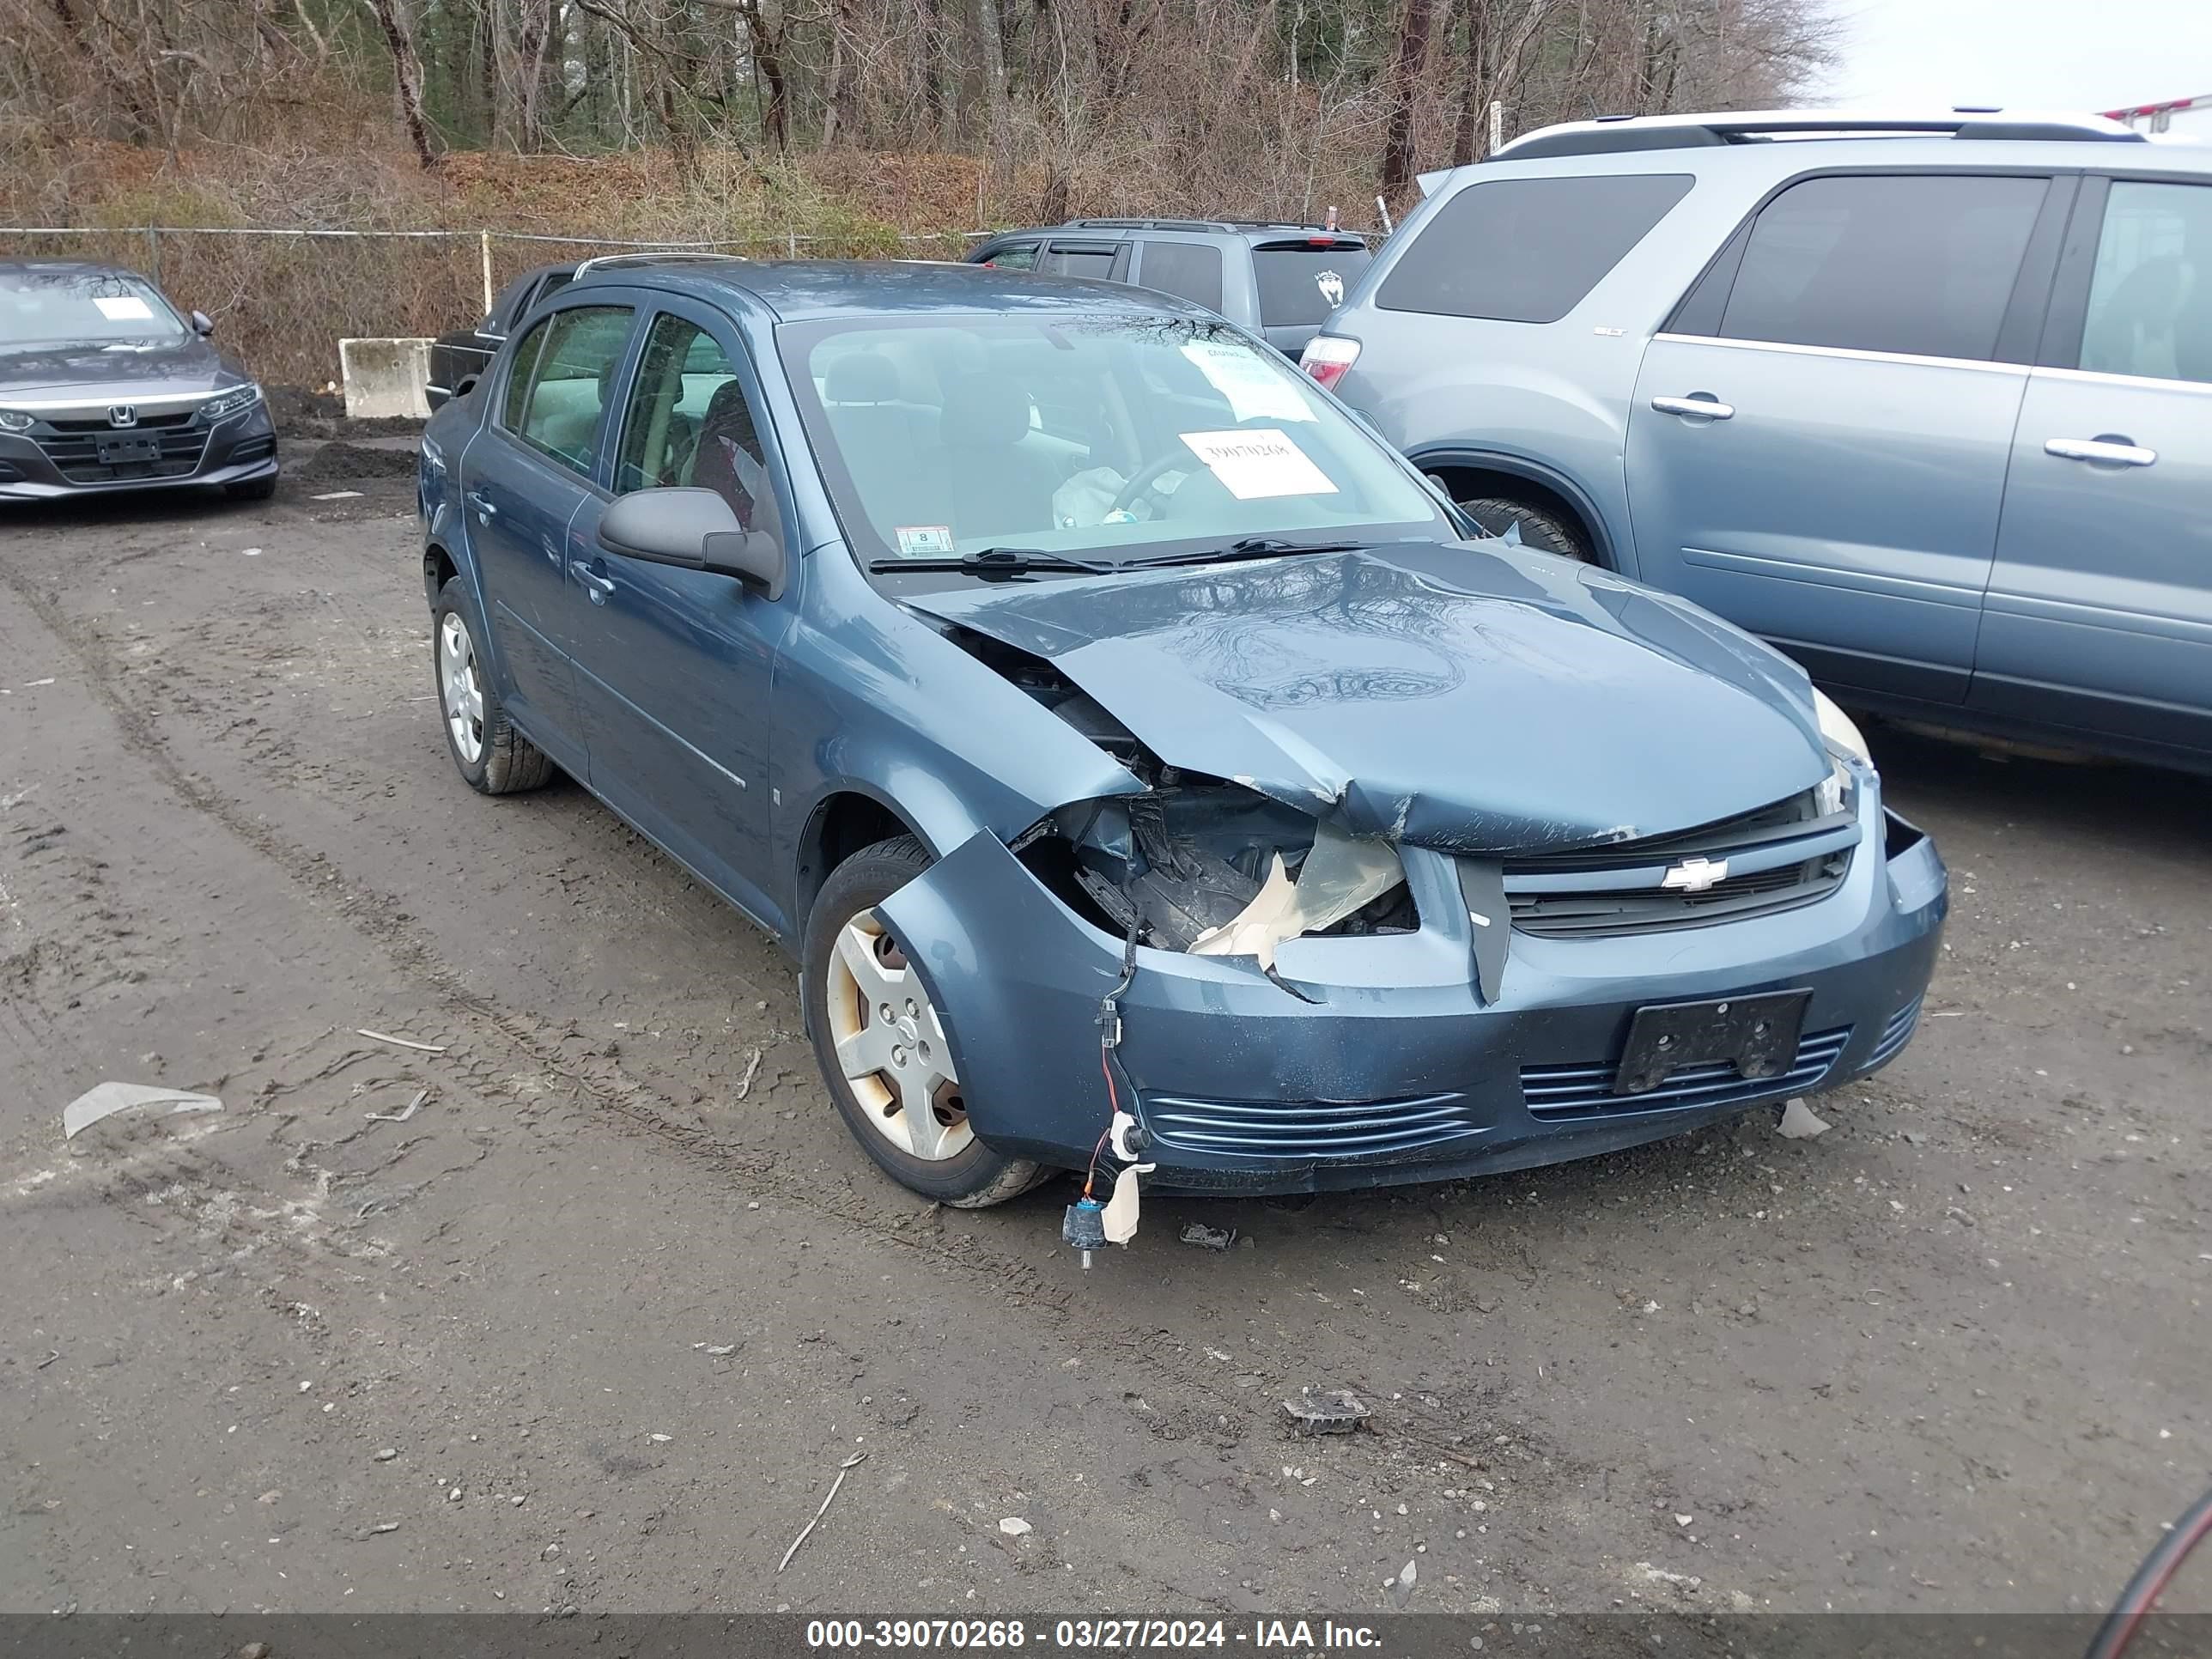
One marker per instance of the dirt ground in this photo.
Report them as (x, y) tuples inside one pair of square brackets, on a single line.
[(596, 1325)]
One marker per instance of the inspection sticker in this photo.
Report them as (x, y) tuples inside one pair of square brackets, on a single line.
[(1258, 462), (126, 308), (918, 540)]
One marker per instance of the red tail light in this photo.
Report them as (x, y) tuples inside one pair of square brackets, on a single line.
[(1327, 356)]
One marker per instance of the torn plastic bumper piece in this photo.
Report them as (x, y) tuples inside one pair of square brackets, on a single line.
[(1398, 1068)]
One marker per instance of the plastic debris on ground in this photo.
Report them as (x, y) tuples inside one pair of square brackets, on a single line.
[(1013, 1526), (1799, 1122), (1327, 1411), (106, 1099), (1208, 1238)]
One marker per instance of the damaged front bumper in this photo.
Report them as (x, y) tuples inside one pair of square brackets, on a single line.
[(1398, 1068)]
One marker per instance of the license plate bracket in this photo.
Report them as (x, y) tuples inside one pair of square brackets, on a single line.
[(125, 452), (1757, 1034)]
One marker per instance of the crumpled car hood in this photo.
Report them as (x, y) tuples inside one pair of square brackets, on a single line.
[(1470, 698)]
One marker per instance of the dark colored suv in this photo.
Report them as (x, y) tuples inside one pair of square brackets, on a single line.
[(458, 358), (1280, 281)]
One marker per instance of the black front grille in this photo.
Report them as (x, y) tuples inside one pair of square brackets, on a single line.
[(146, 423), (76, 456), (1237, 1128), (1586, 1090), (1796, 856)]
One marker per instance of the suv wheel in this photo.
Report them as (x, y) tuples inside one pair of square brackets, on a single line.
[(881, 1047), (1539, 529)]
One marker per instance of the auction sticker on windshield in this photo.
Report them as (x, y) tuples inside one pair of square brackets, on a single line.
[(1258, 463), (126, 308), (1255, 392)]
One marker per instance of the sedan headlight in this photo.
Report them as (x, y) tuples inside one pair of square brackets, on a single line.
[(1847, 747), (1837, 730), (14, 420), (231, 402)]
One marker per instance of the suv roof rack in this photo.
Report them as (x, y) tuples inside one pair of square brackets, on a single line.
[(1612, 134), (1203, 224), (647, 256)]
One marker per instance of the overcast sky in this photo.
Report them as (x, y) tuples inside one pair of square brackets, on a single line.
[(2039, 54)]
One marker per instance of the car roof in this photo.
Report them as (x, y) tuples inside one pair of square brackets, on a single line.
[(799, 290)]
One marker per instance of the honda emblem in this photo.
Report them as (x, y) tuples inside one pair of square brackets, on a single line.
[(122, 415)]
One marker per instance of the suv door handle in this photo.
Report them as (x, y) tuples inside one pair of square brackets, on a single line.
[(598, 586), (2112, 452), (1706, 408), (485, 510)]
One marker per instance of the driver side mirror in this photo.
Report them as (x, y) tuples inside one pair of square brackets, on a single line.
[(202, 325), (697, 530)]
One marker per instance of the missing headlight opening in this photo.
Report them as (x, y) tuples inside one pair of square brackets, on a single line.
[(1199, 865), (1194, 863)]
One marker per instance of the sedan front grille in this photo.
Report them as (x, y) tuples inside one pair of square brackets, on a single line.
[(1778, 857), (1317, 1129), (76, 456), (1586, 1090), (102, 423)]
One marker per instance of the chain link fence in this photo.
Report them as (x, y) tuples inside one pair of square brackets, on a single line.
[(281, 299)]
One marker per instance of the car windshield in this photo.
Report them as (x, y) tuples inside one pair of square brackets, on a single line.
[(39, 307), (1110, 438)]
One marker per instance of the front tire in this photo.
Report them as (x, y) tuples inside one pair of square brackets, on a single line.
[(253, 490), (881, 1046), (1544, 531), (494, 757)]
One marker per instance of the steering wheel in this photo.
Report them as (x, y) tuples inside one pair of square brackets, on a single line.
[(1149, 474)]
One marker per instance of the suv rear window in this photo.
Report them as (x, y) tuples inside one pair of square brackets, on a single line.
[(1300, 283), (1527, 250)]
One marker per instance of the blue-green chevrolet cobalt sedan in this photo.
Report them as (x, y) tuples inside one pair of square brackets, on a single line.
[(1106, 720)]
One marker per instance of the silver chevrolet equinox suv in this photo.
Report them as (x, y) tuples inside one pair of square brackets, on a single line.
[(1927, 402)]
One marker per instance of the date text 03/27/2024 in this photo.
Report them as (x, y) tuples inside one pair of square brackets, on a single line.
[(1107, 1634)]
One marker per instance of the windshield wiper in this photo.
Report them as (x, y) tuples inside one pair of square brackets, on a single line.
[(1252, 547), (999, 561)]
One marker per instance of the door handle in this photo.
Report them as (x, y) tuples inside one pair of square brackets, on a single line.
[(2110, 451), (1703, 408), (485, 511), (597, 586)]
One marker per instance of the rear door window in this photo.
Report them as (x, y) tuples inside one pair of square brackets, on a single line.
[(1192, 270), (1015, 256), (1527, 250), (1082, 259), (1921, 265), (2150, 299), (575, 373), (1300, 283)]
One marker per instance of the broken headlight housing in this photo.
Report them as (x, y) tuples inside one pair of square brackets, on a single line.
[(1213, 868), (1847, 751)]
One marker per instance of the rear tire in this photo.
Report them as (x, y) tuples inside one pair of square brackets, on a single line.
[(905, 1064), (494, 757), (1542, 531)]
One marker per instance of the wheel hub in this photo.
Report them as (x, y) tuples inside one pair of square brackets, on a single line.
[(890, 1046)]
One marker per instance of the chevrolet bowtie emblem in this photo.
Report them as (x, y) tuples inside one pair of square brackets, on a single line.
[(1695, 875)]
